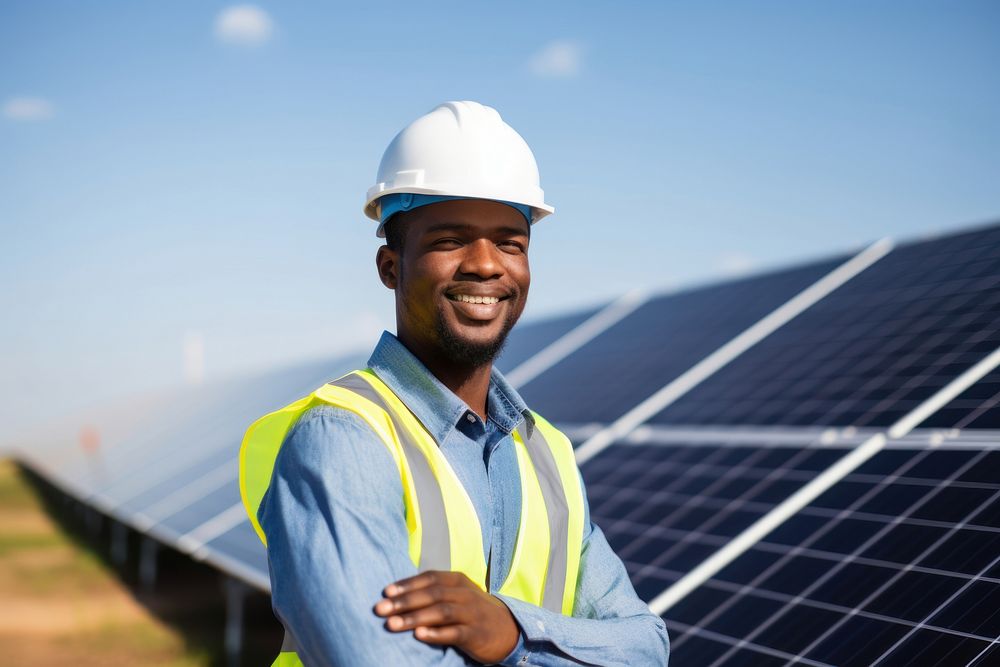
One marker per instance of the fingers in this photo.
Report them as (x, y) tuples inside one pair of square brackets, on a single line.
[(418, 599), (440, 614), (425, 580), (423, 590), (450, 635), (443, 608)]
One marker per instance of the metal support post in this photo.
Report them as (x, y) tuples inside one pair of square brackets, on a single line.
[(92, 519), (236, 592), (119, 543), (148, 552)]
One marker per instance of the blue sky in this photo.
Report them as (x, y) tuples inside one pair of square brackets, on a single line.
[(162, 181)]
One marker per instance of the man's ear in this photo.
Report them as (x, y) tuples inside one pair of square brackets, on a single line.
[(387, 262)]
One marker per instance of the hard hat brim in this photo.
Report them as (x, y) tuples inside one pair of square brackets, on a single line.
[(538, 209)]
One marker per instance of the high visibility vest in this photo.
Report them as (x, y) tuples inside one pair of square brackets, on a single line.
[(443, 527)]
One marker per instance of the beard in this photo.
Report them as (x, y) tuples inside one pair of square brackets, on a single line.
[(471, 353)]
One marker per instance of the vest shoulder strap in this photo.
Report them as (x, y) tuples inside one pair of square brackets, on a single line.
[(433, 495), (265, 437)]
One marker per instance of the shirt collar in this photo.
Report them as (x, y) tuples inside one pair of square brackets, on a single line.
[(436, 406)]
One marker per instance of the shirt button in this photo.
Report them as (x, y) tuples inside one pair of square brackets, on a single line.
[(471, 417)]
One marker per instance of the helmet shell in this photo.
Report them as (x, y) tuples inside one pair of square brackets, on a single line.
[(460, 149)]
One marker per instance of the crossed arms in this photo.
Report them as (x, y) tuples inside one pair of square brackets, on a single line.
[(344, 586)]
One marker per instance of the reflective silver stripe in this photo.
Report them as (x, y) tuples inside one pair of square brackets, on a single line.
[(435, 543), (557, 509), (288, 643)]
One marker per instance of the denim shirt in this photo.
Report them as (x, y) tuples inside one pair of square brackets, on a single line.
[(336, 535)]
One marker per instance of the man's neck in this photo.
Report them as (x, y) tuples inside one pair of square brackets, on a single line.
[(469, 383), (472, 386)]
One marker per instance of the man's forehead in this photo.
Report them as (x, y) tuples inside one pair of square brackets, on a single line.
[(498, 227), (469, 215)]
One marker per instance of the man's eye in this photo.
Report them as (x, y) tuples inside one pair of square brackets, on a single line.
[(449, 242), (511, 246)]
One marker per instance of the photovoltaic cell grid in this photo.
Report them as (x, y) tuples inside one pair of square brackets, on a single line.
[(666, 508), (869, 352), (657, 342), (898, 564), (976, 407)]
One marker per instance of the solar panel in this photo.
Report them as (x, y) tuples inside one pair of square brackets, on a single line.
[(897, 564), (198, 486), (666, 507), (174, 470), (870, 351), (657, 342), (976, 407), (242, 544), (77, 452), (202, 433)]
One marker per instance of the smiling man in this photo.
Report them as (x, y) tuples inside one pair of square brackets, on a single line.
[(417, 512)]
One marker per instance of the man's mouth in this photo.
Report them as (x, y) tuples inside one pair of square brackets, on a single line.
[(470, 298), (481, 307)]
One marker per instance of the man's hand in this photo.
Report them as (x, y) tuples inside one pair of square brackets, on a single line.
[(447, 609)]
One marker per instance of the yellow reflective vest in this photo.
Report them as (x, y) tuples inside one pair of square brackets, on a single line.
[(443, 527)]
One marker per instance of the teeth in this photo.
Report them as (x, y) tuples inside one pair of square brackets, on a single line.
[(475, 299)]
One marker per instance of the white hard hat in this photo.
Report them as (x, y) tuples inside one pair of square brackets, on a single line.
[(459, 149)]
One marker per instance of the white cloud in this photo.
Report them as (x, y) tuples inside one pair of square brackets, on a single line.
[(561, 58), (28, 108), (735, 263), (246, 25)]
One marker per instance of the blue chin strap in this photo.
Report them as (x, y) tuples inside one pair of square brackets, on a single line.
[(390, 205)]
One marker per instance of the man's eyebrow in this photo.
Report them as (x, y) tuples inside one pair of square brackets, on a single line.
[(445, 226)]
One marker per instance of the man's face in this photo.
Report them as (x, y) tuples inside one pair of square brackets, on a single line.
[(461, 279)]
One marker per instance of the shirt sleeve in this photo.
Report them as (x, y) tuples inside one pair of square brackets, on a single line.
[(610, 624), (336, 535)]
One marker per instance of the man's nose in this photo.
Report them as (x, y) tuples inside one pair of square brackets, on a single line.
[(482, 259)]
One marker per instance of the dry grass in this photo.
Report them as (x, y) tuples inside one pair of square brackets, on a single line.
[(62, 605)]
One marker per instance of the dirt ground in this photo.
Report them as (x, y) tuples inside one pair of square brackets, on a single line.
[(64, 605)]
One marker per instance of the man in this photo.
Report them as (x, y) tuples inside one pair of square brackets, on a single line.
[(417, 512)]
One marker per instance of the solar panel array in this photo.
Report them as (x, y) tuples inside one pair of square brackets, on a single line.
[(899, 563), (166, 466), (657, 342), (871, 351), (826, 494)]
